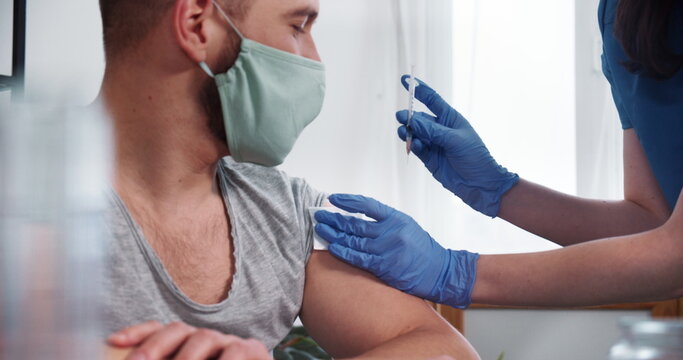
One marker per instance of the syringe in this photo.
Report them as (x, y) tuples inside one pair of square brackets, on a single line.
[(411, 100)]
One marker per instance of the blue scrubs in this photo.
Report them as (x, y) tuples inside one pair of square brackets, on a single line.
[(654, 109)]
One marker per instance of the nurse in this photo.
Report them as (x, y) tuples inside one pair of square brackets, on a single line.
[(640, 254)]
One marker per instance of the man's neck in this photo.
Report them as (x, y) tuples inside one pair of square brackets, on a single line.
[(165, 152)]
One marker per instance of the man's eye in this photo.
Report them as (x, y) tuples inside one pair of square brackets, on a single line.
[(300, 27)]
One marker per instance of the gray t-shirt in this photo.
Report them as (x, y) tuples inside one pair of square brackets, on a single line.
[(272, 235)]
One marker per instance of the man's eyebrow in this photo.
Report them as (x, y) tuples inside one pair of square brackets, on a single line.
[(303, 11)]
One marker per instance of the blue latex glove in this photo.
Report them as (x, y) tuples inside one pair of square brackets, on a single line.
[(398, 251), (454, 154)]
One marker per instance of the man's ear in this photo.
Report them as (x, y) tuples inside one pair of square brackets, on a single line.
[(190, 18)]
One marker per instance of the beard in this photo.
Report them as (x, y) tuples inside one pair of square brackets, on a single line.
[(210, 97), (211, 102)]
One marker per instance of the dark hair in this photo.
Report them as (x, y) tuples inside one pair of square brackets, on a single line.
[(642, 28), (126, 22)]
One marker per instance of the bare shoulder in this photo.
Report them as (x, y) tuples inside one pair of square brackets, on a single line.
[(350, 312), (326, 277)]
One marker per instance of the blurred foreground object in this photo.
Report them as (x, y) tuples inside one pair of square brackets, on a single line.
[(54, 169), (112, 353), (646, 339)]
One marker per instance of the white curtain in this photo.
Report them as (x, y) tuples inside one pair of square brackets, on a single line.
[(604, 178), (527, 75), (514, 80)]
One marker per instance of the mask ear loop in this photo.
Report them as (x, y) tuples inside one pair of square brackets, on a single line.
[(206, 69), (227, 18), (203, 64)]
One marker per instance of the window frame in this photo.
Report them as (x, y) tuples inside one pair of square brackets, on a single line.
[(15, 81)]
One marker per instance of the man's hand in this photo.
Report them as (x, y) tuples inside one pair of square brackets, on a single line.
[(184, 342)]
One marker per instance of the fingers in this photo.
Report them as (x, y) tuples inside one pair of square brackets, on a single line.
[(361, 204), (422, 152), (333, 236), (134, 335), (348, 224), (163, 342), (428, 96), (246, 350), (424, 141), (204, 344), (356, 258), (189, 343), (402, 116), (430, 132), (209, 344), (418, 146)]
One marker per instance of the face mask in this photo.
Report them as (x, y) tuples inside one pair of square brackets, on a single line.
[(268, 97)]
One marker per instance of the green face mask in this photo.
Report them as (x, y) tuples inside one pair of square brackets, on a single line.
[(268, 97)]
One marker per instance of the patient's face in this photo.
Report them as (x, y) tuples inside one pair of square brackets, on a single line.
[(282, 24)]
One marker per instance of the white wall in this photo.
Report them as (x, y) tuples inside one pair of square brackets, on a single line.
[(5, 97), (342, 150), (353, 146)]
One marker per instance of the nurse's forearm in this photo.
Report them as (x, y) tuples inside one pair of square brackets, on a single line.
[(568, 220), (635, 268)]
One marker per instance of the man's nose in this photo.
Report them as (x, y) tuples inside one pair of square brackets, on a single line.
[(309, 50)]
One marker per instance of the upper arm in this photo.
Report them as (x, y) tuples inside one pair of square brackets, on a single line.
[(349, 312), (640, 185)]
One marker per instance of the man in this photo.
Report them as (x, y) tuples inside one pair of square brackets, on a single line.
[(217, 247)]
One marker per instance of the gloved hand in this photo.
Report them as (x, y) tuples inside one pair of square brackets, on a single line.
[(398, 251), (454, 154)]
